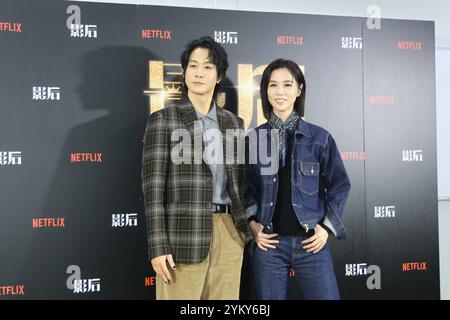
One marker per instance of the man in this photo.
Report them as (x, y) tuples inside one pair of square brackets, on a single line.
[(195, 208)]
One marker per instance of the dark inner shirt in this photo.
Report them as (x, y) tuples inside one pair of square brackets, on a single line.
[(284, 220)]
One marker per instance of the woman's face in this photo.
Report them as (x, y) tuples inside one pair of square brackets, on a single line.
[(282, 91)]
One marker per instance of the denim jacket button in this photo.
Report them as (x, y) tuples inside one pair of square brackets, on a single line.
[(274, 179), (271, 203)]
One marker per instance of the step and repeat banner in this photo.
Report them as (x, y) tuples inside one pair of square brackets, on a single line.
[(78, 81)]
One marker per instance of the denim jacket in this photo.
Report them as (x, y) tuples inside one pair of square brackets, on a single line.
[(320, 184)]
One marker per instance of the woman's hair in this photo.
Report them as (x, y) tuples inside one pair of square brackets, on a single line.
[(296, 72), (217, 54)]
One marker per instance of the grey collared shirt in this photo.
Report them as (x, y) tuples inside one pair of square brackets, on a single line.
[(213, 155)]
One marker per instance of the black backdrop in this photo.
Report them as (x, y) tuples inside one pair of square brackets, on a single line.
[(374, 90)]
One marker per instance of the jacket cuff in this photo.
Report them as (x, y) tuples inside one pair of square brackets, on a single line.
[(333, 221), (251, 211), (325, 228), (327, 223), (157, 251)]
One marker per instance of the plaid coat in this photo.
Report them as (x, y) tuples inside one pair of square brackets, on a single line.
[(178, 197)]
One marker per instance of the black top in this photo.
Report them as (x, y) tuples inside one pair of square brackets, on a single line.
[(284, 220)]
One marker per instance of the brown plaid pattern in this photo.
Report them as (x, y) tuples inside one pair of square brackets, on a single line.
[(178, 197)]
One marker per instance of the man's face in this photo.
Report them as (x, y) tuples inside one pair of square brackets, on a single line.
[(201, 74)]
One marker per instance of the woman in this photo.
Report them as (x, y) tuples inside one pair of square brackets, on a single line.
[(293, 210)]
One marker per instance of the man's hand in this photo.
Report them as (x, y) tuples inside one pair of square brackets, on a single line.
[(316, 242), (161, 266), (264, 241)]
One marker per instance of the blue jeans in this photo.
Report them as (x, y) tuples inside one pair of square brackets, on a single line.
[(314, 272)]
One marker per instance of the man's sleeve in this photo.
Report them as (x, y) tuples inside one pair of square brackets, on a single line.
[(155, 161), (252, 196)]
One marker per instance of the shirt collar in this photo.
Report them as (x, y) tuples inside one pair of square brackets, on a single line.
[(212, 114)]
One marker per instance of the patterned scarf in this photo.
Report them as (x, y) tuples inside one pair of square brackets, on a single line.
[(284, 128)]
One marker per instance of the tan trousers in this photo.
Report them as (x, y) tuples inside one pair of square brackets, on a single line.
[(218, 276)]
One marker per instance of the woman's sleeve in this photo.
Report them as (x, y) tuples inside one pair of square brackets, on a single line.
[(337, 187)]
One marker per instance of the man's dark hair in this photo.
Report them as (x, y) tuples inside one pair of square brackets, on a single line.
[(296, 72), (217, 54)]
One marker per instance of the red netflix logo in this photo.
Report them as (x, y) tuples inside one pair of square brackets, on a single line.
[(150, 281), (156, 34), (353, 155), (409, 45), (287, 40), (48, 223), (414, 266), (17, 290), (381, 99), (11, 26), (85, 157)]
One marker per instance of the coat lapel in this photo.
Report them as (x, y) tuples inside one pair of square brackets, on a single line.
[(188, 114)]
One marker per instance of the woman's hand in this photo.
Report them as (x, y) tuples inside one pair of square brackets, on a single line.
[(263, 240), (316, 242)]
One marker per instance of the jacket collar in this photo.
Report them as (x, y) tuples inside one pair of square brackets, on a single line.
[(187, 111), (302, 128), (189, 115)]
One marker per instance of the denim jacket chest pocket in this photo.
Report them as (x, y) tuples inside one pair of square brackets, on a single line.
[(307, 177)]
